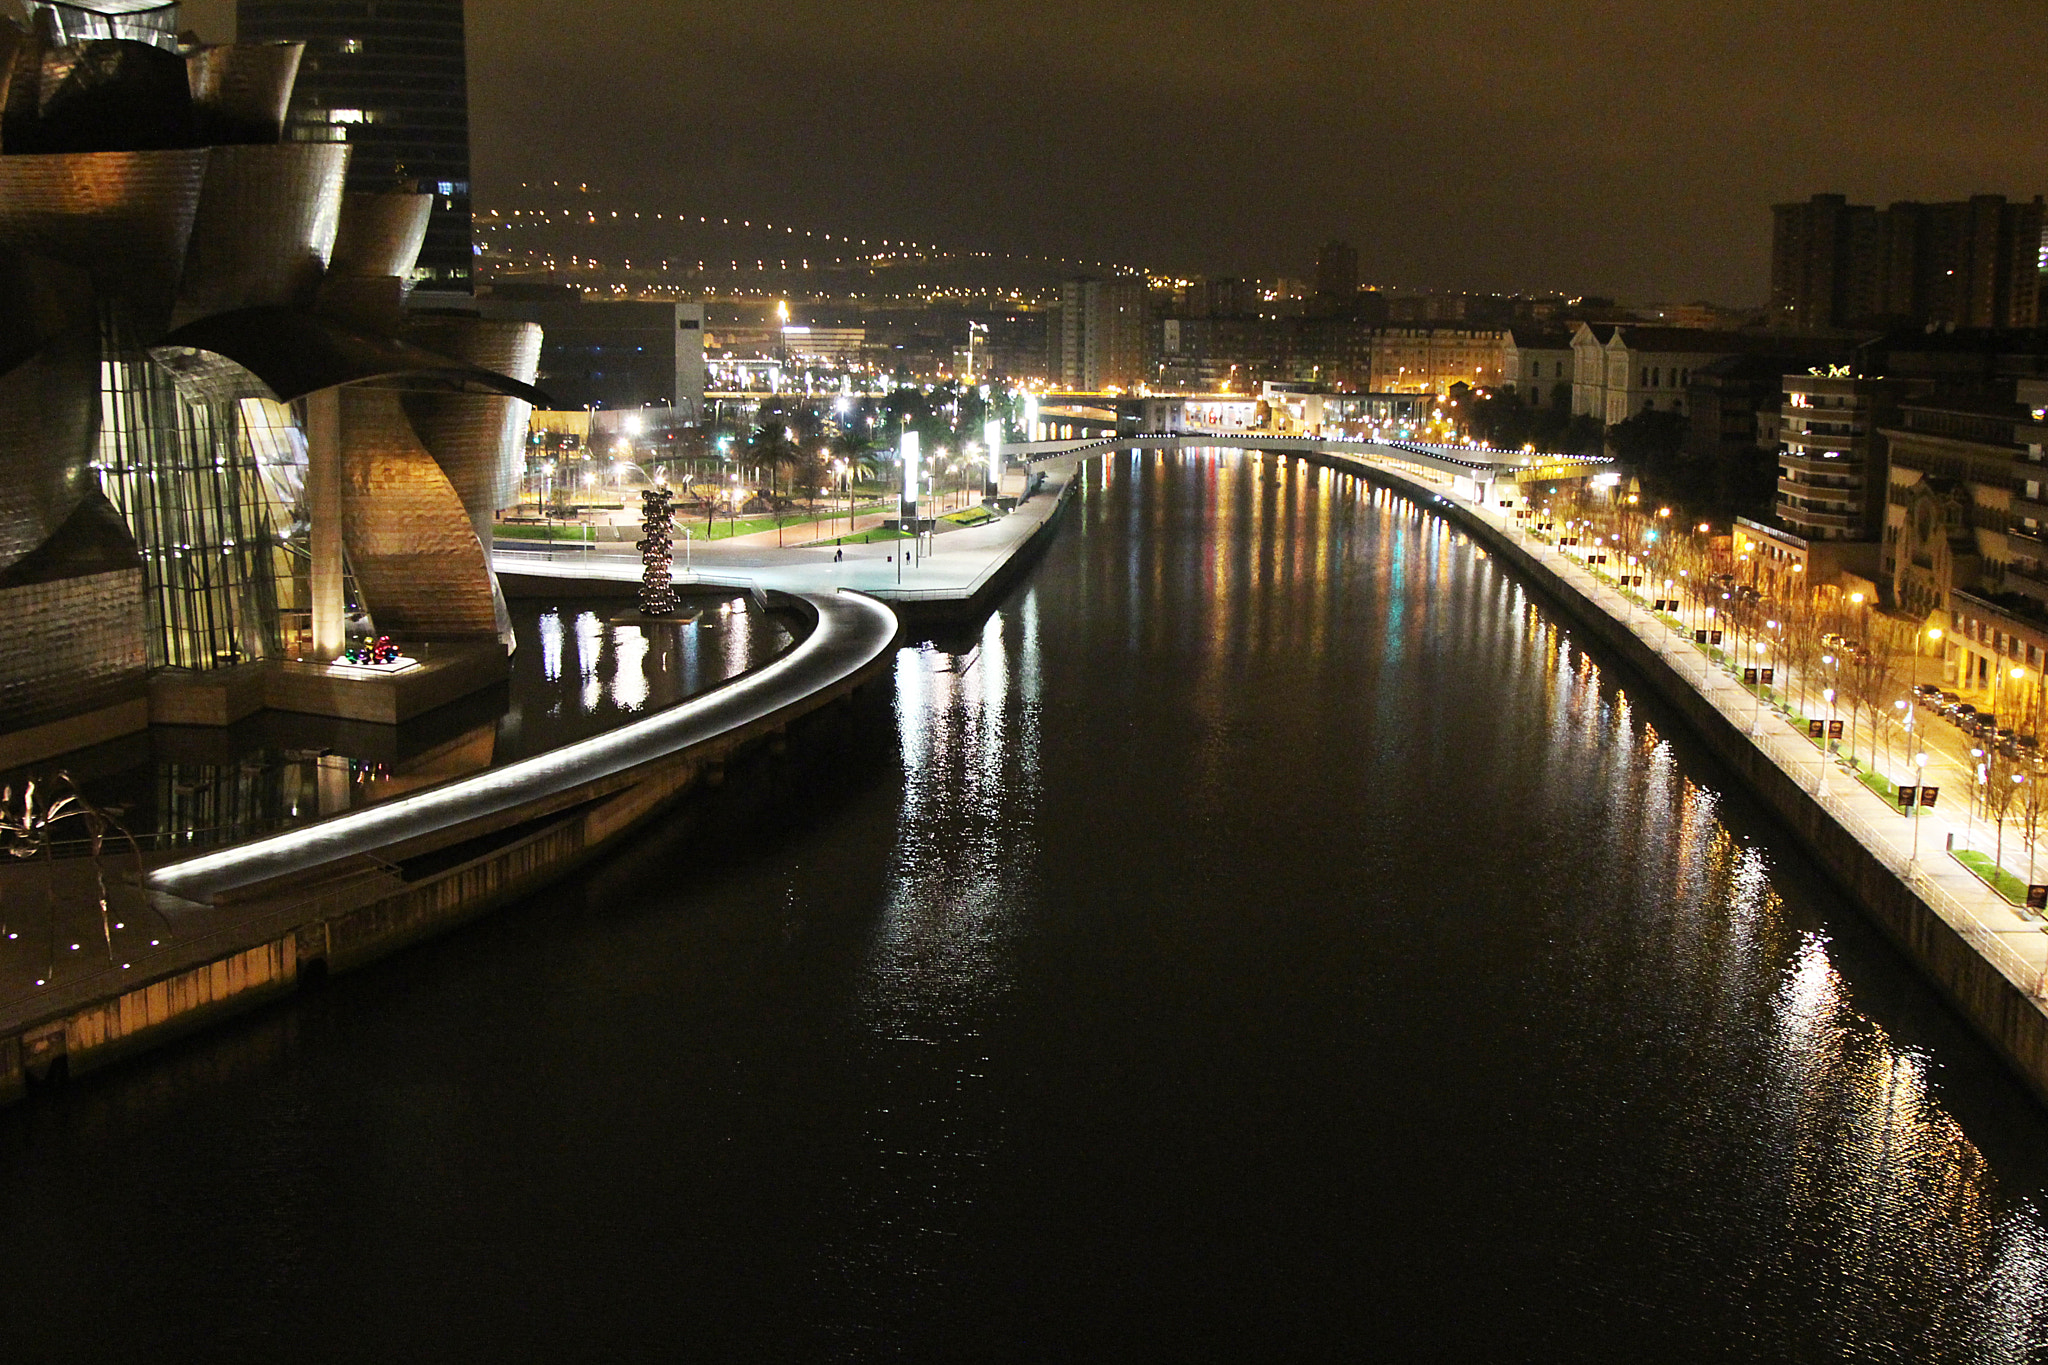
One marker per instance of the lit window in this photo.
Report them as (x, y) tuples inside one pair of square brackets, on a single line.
[(351, 46), (350, 116)]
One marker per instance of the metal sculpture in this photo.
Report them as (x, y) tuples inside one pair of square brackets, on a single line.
[(657, 552)]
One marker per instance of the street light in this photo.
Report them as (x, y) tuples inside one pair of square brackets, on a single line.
[(1919, 775)]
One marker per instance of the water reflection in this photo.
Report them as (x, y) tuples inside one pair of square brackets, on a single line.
[(573, 675), (1272, 936), (1304, 667)]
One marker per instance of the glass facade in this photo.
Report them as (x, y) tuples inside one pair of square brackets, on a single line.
[(185, 476), (138, 21), (390, 80)]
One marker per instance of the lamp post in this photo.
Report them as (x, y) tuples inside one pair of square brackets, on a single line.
[(1919, 774)]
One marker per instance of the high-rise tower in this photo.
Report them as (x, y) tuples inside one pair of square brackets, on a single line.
[(390, 80)]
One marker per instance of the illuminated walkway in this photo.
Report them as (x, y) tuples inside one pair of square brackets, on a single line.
[(959, 565), (851, 633)]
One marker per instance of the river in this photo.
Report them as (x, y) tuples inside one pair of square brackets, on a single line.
[(1272, 936)]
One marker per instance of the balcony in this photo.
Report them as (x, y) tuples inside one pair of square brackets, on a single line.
[(1848, 495), (1806, 518), (1846, 463), (2030, 509)]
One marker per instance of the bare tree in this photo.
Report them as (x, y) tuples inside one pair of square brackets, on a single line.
[(2033, 812), (2004, 789)]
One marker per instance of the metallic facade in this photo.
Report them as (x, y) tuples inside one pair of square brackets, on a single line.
[(390, 80), (415, 555), (240, 91), (181, 283), (263, 230)]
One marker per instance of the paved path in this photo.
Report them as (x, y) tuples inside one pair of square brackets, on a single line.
[(2010, 939), (959, 563), (852, 631)]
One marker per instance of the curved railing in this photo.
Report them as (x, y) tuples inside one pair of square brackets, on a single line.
[(851, 632)]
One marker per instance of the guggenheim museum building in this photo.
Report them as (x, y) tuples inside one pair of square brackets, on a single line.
[(229, 450)]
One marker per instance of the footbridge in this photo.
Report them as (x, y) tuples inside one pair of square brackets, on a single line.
[(1476, 471)]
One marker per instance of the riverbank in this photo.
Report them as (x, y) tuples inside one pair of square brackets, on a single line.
[(964, 574), (241, 925), (1984, 958), (248, 923)]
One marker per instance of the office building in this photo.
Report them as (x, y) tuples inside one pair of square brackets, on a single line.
[(390, 80), (1098, 341), (611, 355), (1970, 263)]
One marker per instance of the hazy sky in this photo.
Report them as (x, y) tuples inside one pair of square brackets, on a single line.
[(1602, 146)]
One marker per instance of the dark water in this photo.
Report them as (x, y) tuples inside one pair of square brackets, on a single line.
[(573, 675), (1271, 938)]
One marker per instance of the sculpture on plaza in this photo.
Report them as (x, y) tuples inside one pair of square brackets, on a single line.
[(657, 552)]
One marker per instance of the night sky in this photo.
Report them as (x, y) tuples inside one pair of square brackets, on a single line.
[(1628, 147)]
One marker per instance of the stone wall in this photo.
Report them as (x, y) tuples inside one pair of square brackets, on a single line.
[(2003, 1014)]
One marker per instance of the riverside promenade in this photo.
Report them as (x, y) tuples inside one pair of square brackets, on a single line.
[(1987, 957), (959, 577), (209, 935), (226, 930)]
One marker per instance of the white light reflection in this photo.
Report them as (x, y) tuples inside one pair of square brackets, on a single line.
[(550, 628), (590, 638), (965, 850), (630, 687)]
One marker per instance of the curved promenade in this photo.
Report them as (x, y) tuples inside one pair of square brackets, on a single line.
[(1989, 961), (850, 632), (249, 923)]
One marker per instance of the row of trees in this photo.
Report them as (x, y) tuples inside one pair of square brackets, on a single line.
[(1835, 654), (796, 452), (1653, 444)]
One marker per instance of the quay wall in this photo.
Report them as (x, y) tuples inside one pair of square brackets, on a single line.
[(365, 910), (2002, 1013), (945, 607)]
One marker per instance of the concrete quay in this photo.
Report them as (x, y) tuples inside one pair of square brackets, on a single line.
[(242, 925), (1986, 959)]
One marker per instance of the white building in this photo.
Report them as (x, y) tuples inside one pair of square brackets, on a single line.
[(1534, 361), (1619, 370)]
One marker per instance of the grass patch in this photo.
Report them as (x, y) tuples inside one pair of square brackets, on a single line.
[(517, 530), (971, 516), (1992, 875), (874, 537), (721, 529), (1882, 785)]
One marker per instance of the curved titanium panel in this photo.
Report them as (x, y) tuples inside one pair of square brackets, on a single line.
[(49, 424), (422, 573), (300, 353), (107, 95), (240, 91), (40, 299), (125, 217), (264, 228), (479, 440), (381, 234), (75, 622)]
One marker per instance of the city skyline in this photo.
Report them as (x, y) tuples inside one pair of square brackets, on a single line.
[(1615, 152)]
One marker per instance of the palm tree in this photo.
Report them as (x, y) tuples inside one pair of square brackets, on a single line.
[(772, 449)]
